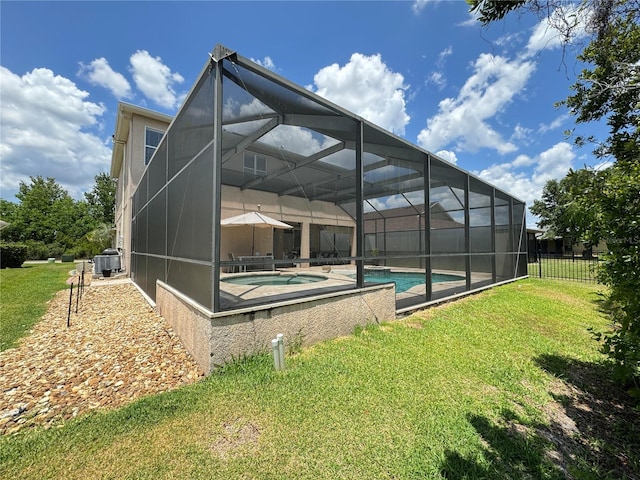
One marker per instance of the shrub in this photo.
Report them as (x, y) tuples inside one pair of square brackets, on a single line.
[(12, 255), (36, 250)]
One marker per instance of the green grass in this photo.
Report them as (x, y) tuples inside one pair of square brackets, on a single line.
[(24, 293), (458, 393)]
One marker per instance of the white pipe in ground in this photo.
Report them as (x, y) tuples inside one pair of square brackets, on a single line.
[(276, 354), (280, 338)]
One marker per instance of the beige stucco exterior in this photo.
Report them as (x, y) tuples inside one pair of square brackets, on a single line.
[(284, 208), (127, 165)]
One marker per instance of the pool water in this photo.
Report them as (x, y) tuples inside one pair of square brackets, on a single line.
[(275, 279), (404, 280)]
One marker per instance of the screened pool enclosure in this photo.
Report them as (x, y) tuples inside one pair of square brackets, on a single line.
[(360, 205)]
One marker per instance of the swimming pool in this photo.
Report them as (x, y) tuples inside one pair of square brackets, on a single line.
[(274, 279), (403, 280), (406, 280)]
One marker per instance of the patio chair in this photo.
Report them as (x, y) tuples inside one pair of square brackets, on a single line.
[(232, 268)]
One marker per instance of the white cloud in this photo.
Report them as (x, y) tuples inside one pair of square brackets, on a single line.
[(368, 88), (509, 40), (155, 80), (520, 180), (442, 56), (44, 119), (523, 161), (266, 62), (464, 122), (419, 5), (99, 72), (437, 77), (471, 21), (447, 155), (553, 163), (549, 33), (494, 83), (522, 134), (556, 123)]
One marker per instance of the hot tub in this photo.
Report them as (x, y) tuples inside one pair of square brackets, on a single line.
[(274, 279)]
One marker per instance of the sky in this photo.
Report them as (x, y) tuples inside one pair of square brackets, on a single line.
[(483, 98)]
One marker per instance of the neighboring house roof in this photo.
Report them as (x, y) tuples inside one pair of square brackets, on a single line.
[(125, 113), (405, 218)]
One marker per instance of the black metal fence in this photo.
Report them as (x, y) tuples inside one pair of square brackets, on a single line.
[(580, 269)]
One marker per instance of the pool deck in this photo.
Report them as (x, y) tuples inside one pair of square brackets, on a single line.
[(336, 278), (242, 295)]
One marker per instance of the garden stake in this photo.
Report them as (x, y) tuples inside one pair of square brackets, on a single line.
[(78, 293), (82, 281), (70, 299)]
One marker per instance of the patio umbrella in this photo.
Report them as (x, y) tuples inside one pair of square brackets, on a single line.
[(255, 219)]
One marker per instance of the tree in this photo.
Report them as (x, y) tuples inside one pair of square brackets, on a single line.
[(101, 237), (607, 89), (47, 219), (559, 212), (7, 213), (611, 88), (102, 199), (614, 199), (7, 210), (44, 210)]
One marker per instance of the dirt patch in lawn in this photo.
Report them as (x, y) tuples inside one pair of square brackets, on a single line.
[(238, 437)]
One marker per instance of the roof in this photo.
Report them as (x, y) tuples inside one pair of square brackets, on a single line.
[(125, 113), (281, 138)]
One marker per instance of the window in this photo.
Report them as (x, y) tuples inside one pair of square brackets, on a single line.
[(151, 140), (255, 164)]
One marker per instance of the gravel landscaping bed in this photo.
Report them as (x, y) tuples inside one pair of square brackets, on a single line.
[(116, 349)]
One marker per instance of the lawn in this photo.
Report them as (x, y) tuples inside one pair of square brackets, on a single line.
[(24, 293), (504, 384)]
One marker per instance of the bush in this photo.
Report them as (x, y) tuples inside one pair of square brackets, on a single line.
[(36, 250), (12, 255), (85, 249)]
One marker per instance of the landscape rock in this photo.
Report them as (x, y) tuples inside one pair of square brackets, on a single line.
[(116, 350)]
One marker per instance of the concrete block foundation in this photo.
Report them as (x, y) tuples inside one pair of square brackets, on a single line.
[(216, 338)]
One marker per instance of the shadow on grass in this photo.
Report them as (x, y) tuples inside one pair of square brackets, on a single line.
[(606, 420), (512, 450), (592, 431)]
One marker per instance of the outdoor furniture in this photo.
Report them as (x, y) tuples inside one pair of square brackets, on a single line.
[(232, 268), (255, 261)]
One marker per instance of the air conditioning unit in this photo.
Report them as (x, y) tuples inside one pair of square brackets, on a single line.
[(107, 262)]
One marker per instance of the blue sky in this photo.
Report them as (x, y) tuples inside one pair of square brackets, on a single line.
[(480, 97)]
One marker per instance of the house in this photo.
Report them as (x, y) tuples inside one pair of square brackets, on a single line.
[(247, 140), (542, 245), (137, 134)]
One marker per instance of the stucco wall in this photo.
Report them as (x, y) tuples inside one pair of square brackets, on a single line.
[(214, 339), (131, 168), (288, 209)]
